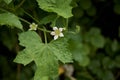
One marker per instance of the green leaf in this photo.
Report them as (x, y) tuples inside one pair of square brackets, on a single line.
[(60, 22), (45, 56), (117, 8), (85, 4), (91, 11), (95, 38), (10, 19), (82, 59), (84, 20), (26, 38), (48, 19), (78, 12), (97, 41), (95, 67), (61, 7), (61, 50), (8, 1), (108, 75), (114, 46), (108, 63), (33, 43), (79, 51), (40, 53), (47, 65), (117, 61), (24, 57)]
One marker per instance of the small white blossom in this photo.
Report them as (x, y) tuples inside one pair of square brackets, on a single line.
[(33, 26), (57, 32)]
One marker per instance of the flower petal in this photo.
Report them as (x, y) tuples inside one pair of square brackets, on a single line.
[(61, 29), (35, 28), (52, 33), (55, 37), (55, 28), (61, 35), (30, 26), (36, 25), (30, 29)]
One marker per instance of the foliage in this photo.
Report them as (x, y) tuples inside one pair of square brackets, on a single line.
[(93, 55)]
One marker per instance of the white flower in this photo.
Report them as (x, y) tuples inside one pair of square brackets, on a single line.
[(33, 26), (57, 32)]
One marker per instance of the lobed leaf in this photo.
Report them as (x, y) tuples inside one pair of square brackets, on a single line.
[(10, 19), (45, 56), (61, 51), (8, 1), (61, 7)]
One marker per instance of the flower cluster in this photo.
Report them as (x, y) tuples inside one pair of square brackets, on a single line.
[(57, 32)]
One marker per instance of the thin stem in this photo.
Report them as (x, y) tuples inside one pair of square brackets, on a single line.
[(3, 10), (55, 20), (18, 65), (44, 30), (66, 26), (31, 16), (18, 71), (45, 36), (21, 3), (24, 20)]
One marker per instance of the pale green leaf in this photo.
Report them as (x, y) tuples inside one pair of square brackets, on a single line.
[(47, 65), (29, 39), (61, 7), (10, 19), (60, 48), (24, 57), (45, 56), (32, 42), (8, 1)]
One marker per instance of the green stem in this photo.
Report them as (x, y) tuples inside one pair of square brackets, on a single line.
[(45, 36), (44, 30), (21, 3), (3, 10), (54, 22), (66, 26), (24, 20), (18, 71), (31, 16)]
